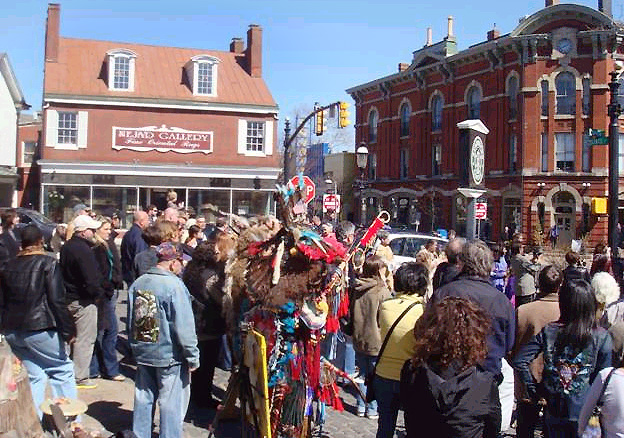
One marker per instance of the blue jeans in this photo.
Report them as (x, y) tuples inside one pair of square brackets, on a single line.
[(388, 400), (104, 360), (365, 364), (168, 386), (44, 356), (345, 355)]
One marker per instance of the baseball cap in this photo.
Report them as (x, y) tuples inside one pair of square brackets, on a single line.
[(167, 251), (79, 207), (86, 222)]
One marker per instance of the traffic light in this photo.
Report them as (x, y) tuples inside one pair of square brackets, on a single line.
[(320, 123), (343, 114)]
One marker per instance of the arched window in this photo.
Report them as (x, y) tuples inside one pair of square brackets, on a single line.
[(566, 93), (512, 94), (436, 113), (474, 103), (405, 119), (586, 96), (373, 118)]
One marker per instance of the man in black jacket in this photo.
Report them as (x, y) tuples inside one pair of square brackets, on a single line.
[(132, 244), (83, 285), (35, 318), (473, 283)]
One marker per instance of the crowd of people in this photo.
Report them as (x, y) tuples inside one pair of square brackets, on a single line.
[(467, 339)]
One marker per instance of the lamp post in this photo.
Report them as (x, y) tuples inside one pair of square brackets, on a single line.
[(361, 159), (330, 182), (286, 146), (615, 110)]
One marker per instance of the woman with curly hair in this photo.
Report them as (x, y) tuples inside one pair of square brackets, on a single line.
[(444, 390), (204, 277)]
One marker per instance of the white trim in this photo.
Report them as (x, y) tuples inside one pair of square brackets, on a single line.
[(83, 129), (200, 106), (162, 170)]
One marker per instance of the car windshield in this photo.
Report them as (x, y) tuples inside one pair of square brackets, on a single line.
[(41, 218)]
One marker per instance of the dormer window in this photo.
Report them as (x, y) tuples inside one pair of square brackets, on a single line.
[(202, 75), (121, 70)]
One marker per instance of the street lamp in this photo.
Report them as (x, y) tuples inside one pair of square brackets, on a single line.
[(330, 182), (615, 110), (286, 146), (361, 159)]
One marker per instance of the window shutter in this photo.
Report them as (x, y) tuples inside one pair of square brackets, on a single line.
[(242, 136), (268, 137), (51, 128), (83, 121)]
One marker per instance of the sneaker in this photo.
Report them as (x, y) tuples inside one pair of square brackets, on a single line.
[(374, 416), (361, 414), (118, 378), (86, 384)]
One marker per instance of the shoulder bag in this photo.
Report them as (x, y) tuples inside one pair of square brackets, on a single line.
[(595, 427), (370, 377)]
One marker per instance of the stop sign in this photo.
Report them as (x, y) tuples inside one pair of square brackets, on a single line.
[(308, 187)]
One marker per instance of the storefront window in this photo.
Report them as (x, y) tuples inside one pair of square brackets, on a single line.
[(205, 202), (59, 201), (108, 200), (251, 203)]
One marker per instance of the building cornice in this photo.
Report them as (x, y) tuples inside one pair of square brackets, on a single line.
[(157, 169), (159, 103)]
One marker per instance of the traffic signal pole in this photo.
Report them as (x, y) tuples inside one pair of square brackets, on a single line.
[(288, 139)]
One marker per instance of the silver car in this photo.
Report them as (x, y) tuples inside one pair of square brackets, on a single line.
[(405, 246)]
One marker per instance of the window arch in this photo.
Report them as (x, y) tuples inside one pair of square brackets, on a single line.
[(512, 95), (474, 102), (565, 83), (405, 113), (373, 120), (436, 112)]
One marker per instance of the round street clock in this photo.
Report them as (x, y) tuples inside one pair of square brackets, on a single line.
[(477, 160)]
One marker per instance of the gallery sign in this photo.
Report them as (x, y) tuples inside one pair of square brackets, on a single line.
[(162, 139)]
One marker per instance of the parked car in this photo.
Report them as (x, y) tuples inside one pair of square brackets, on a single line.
[(405, 246), (28, 216)]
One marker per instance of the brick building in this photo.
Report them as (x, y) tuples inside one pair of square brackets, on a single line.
[(124, 123), (28, 152), (538, 89)]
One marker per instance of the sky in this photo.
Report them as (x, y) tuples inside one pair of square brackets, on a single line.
[(312, 50)]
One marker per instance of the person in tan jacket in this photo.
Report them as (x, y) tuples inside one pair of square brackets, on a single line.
[(370, 291), (385, 252), (531, 318)]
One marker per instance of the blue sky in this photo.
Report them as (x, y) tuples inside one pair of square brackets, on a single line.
[(313, 50)]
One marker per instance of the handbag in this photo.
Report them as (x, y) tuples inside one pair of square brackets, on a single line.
[(594, 428), (370, 376)]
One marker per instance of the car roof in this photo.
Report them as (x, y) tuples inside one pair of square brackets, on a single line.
[(418, 235)]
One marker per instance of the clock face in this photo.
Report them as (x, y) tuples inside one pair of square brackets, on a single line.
[(564, 46), (477, 160)]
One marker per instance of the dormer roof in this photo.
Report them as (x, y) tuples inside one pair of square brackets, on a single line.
[(159, 74)]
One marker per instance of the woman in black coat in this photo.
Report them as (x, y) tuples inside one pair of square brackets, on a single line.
[(444, 390), (104, 361), (204, 277)]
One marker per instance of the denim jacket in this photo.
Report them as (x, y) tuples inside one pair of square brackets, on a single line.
[(160, 320), (567, 375)]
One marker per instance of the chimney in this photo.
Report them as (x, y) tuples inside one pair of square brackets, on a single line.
[(493, 34), (449, 32), (237, 45), (52, 32), (254, 51), (429, 37), (604, 6), (551, 2), (403, 66)]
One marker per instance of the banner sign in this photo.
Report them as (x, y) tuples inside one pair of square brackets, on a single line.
[(163, 139)]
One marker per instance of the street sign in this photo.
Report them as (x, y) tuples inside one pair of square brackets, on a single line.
[(331, 203), (480, 210), (308, 187), (598, 140)]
